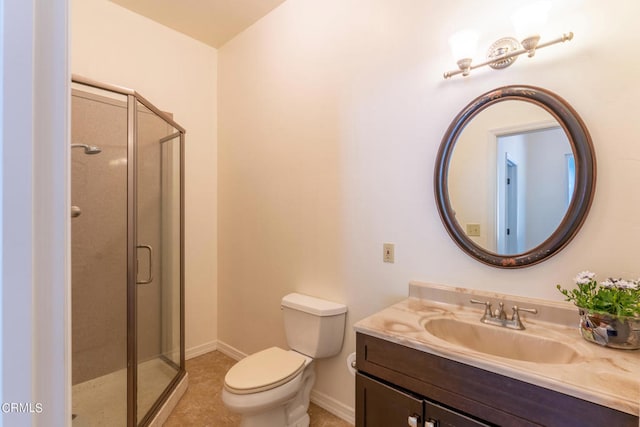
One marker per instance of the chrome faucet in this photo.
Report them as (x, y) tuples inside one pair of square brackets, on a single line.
[(499, 317)]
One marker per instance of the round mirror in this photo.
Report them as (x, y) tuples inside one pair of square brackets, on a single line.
[(515, 176)]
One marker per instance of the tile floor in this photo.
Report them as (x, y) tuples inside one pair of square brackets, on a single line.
[(202, 405)]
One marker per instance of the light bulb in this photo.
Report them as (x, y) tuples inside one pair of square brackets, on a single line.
[(464, 44)]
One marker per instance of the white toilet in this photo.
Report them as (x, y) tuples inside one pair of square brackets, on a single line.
[(271, 388)]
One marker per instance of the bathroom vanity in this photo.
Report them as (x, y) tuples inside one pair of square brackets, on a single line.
[(428, 361)]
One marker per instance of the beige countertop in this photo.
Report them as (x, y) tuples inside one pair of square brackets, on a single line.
[(601, 375)]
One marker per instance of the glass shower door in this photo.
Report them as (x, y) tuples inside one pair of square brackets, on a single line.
[(99, 257), (159, 253)]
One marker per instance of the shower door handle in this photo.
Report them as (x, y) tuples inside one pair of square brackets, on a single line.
[(150, 275)]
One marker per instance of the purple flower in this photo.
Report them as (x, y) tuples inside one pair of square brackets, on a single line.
[(584, 277)]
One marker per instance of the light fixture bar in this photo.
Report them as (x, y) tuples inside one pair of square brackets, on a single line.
[(466, 69)]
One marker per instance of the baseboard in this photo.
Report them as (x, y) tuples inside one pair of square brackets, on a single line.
[(201, 349), (230, 351), (337, 408)]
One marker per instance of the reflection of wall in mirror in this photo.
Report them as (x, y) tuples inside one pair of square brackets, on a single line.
[(542, 185), (472, 174)]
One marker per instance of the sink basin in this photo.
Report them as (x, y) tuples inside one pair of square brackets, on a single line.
[(501, 342)]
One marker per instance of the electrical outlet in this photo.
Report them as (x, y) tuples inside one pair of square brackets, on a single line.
[(388, 250), (473, 230)]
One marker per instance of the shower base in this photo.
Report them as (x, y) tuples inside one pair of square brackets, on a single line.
[(102, 401)]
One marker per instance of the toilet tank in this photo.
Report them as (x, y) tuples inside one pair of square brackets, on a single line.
[(314, 327)]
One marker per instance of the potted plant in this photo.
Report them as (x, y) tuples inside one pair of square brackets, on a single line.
[(609, 310)]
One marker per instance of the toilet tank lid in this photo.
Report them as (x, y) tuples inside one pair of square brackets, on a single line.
[(311, 305)]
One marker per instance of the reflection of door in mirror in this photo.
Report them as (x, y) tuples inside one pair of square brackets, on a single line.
[(535, 144), (533, 182), (507, 240)]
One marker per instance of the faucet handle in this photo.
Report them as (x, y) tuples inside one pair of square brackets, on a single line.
[(515, 318), (487, 306), (517, 309)]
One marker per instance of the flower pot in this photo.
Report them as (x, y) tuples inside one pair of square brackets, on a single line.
[(610, 330)]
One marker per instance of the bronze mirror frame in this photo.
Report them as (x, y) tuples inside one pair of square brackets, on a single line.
[(585, 179)]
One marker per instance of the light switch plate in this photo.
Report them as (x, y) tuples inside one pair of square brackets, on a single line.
[(473, 230), (388, 250)]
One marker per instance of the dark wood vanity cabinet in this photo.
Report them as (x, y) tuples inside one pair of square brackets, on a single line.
[(395, 383), (383, 405)]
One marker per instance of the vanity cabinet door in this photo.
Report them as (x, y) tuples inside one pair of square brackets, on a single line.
[(379, 405)]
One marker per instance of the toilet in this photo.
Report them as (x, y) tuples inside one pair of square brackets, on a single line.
[(272, 387)]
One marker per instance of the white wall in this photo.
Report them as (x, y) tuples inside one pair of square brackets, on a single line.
[(331, 114), (35, 370), (177, 74)]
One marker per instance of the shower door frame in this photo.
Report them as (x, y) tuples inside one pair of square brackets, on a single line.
[(132, 359)]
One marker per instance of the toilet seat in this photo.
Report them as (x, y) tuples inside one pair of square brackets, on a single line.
[(264, 370)]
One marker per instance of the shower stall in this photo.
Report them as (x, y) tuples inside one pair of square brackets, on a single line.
[(127, 238)]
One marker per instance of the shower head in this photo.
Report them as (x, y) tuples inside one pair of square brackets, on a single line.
[(88, 149)]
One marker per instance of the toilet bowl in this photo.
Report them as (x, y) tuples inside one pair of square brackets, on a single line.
[(272, 387), (270, 392)]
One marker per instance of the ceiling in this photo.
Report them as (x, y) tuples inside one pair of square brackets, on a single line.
[(213, 22)]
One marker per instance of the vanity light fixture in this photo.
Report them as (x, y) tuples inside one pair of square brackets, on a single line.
[(506, 50)]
